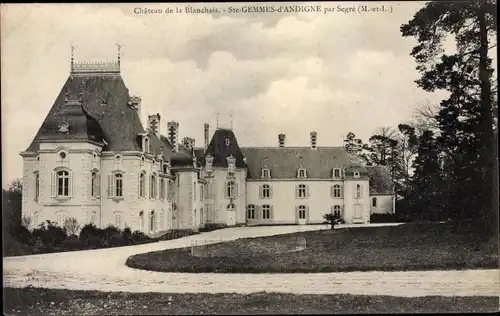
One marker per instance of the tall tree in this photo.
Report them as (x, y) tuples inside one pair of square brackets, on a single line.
[(467, 136), (355, 147)]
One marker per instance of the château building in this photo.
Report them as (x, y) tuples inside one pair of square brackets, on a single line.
[(92, 159)]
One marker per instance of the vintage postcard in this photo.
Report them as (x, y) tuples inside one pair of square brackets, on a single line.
[(249, 158)]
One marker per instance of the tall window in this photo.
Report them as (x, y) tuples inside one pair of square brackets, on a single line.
[(266, 173), (336, 210), (302, 212), (152, 187), (37, 186), (162, 189), (266, 211), (336, 173), (251, 211), (230, 189), (336, 191), (141, 220), (265, 191), (142, 185), (358, 191), (152, 221), (118, 220), (95, 184), (146, 145), (301, 191), (118, 184), (374, 202), (63, 183)]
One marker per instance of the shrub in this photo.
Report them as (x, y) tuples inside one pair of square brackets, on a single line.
[(138, 236), (126, 237), (383, 218), (208, 227), (50, 234), (72, 243), (39, 246)]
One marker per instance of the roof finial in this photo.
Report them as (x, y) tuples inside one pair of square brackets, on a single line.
[(218, 119), (73, 46), (119, 49)]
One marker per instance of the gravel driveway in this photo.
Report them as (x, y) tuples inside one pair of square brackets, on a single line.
[(105, 270)]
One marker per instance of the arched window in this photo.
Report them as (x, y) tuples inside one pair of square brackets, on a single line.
[(162, 189), (358, 191), (37, 186), (251, 211), (266, 173), (374, 202), (152, 221), (162, 220), (336, 191), (62, 183), (141, 220), (142, 184), (152, 186), (146, 145), (336, 173), (95, 184)]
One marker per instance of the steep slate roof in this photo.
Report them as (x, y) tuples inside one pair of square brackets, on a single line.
[(284, 162), (220, 151), (105, 98), (380, 180)]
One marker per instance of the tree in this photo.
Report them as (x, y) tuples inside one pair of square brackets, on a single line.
[(71, 226), (11, 206), (467, 138), (332, 219), (355, 147)]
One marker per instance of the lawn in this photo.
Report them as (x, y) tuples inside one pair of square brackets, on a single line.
[(31, 301), (407, 247)]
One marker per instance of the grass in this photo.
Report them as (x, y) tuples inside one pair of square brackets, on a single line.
[(35, 301), (429, 246)]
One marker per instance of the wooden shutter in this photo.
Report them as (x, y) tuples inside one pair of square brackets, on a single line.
[(270, 191), (341, 189), (332, 191), (258, 214), (235, 194), (139, 185), (261, 191), (53, 184), (225, 189), (307, 214), (307, 190), (361, 191), (110, 185), (296, 191), (354, 191), (98, 184), (296, 213), (271, 212), (71, 174)]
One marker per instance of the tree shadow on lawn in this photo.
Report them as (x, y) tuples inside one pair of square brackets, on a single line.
[(411, 247)]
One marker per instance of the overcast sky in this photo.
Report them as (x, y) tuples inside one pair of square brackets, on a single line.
[(276, 73)]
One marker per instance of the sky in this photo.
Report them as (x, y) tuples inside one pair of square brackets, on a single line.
[(289, 73)]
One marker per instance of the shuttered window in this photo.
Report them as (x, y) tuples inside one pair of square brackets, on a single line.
[(251, 211)]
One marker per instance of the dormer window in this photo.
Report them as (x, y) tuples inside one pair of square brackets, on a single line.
[(231, 164), (145, 145), (336, 173), (208, 163), (356, 174), (302, 173), (266, 173)]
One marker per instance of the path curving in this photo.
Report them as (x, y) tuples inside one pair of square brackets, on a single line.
[(105, 270)]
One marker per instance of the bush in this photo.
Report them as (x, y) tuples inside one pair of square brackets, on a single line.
[(383, 218), (126, 237), (208, 227), (50, 234), (138, 236), (72, 243), (71, 226), (177, 233)]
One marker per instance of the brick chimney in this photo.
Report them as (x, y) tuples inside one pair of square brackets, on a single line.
[(173, 133), (281, 140), (313, 139), (206, 135), (154, 123), (188, 142)]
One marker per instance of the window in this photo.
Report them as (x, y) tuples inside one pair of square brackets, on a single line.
[(62, 155), (336, 191), (146, 145), (356, 174), (336, 173), (118, 220), (162, 189), (231, 207), (165, 168), (152, 221), (266, 211), (37, 186), (115, 185), (152, 187), (266, 173), (118, 158), (302, 173), (142, 184), (93, 217), (141, 220), (265, 191), (142, 160), (302, 212), (228, 142), (301, 191), (63, 183), (358, 191), (231, 164), (336, 210), (374, 202), (251, 211), (208, 163), (231, 189), (95, 184), (61, 218)]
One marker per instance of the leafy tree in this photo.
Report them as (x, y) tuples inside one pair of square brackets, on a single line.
[(11, 206), (71, 226), (332, 219), (355, 147), (467, 135)]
